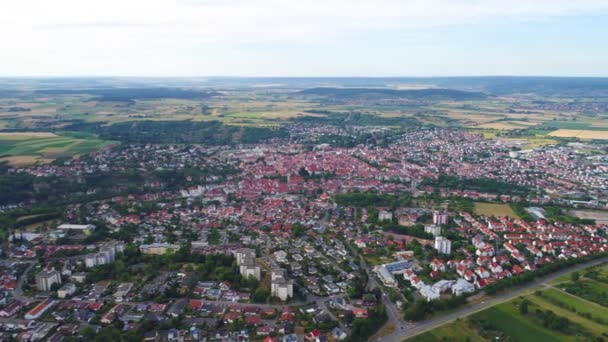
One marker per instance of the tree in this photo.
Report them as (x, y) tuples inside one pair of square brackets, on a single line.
[(523, 307), (260, 295), (575, 276)]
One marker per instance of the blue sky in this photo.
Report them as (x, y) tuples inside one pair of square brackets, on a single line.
[(303, 38)]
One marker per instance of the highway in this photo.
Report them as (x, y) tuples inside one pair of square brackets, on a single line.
[(408, 330)]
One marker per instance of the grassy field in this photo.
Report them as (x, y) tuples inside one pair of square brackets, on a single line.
[(494, 209), (30, 148)]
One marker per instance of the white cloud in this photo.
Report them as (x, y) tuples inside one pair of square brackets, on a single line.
[(83, 34)]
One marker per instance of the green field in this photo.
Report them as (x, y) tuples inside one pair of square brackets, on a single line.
[(494, 209), (27, 149), (506, 320), (573, 302), (459, 330), (586, 318)]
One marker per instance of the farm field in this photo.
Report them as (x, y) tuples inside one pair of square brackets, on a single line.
[(544, 321), (506, 125), (581, 306), (494, 209), (506, 322), (581, 134), (600, 217), (27, 148), (459, 330)]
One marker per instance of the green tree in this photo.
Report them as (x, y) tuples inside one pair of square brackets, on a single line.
[(523, 307), (575, 276)]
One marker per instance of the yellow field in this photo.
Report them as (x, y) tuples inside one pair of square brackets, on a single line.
[(26, 135), (581, 134), (494, 209), (25, 160)]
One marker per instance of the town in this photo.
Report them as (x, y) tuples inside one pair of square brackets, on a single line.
[(292, 239)]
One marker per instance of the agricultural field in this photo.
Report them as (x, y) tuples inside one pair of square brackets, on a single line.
[(543, 321), (574, 303), (494, 209), (580, 134), (26, 148), (552, 315), (506, 125), (459, 331), (600, 217)]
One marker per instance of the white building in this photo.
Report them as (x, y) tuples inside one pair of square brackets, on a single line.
[(66, 290), (46, 279), (39, 309), (84, 228), (386, 277), (279, 286), (107, 254), (440, 217), (384, 215), (158, 248), (429, 293), (462, 286), (245, 259), (122, 291), (443, 245), (432, 229)]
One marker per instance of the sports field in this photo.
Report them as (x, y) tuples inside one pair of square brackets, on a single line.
[(494, 209)]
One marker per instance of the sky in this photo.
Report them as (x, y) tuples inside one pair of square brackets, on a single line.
[(303, 38)]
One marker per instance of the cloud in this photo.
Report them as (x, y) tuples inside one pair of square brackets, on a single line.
[(118, 32)]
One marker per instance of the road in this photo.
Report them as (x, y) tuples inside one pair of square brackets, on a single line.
[(408, 330), (18, 291)]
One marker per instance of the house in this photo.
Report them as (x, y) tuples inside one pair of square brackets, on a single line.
[(469, 275), (438, 265), (517, 270), (495, 268), (482, 272), (338, 334), (360, 313), (312, 335), (178, 307), (11, 309), (264, 331)]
